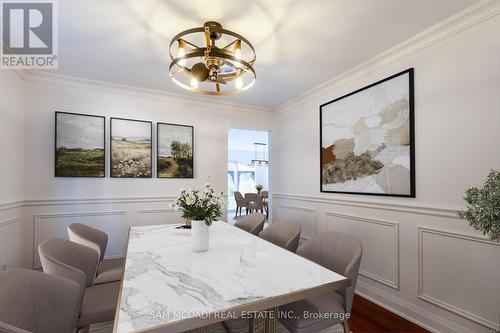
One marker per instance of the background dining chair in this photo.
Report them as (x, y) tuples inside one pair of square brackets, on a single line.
[(340, 253), (284, 233), (254, 202), (240, 202), (78, 262), (109, 269), (32, 301), (252, 223)]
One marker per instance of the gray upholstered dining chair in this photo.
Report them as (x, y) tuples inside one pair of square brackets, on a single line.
[(109, 270), (78, 262), (32, 301), (340, 253), (240, 202), (284, 233), (254, 202), (252, 223)]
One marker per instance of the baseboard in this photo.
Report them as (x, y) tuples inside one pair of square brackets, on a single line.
[(409, 311)]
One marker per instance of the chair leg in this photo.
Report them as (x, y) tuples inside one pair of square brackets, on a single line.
[(226, 328), (345, 325), (236, 213)]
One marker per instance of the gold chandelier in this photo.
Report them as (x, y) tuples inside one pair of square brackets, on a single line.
[(211, 69)]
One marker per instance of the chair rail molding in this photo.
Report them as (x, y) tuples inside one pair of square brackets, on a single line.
[(431, 210), (94, 201), (141, 212), (421, 230), (394, 283), (10, 205)]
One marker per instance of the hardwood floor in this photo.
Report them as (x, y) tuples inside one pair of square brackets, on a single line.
[(368, 317)]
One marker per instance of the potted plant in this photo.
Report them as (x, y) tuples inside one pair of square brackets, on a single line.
[(201, 207), (483, 207), (259, 188)]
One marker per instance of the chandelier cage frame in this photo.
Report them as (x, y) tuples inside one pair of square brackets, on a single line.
[(214, 58)]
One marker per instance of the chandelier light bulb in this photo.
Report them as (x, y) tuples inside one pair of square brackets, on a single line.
[(194, 83), (181, 52), (237, 49), (238, 84)]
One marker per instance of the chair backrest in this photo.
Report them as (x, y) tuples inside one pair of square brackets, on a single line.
[(32, 301), (68, 259), (88, 236), (252, 223), (338, 252), (265, 194), (238, 196), (256, 202), (284, 233), (251, 196)]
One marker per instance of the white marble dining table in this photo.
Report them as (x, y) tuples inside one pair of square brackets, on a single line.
[(167, 287)]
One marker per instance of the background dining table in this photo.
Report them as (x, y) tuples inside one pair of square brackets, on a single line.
[(167, 287)]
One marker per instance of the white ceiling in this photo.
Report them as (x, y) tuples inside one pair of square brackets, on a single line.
[(299, 43)]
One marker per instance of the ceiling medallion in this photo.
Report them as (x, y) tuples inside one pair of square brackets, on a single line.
[(210, 69)]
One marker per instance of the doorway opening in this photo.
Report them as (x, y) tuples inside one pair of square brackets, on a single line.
[(248, 172)]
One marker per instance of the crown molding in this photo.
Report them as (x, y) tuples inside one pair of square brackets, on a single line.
[(198, 100), (467, 18)]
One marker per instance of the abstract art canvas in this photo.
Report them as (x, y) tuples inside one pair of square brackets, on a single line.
[(131, 148), (79, 145), (367, 140), (175, 151)]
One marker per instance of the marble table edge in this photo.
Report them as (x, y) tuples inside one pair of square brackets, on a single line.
[(262, 304)]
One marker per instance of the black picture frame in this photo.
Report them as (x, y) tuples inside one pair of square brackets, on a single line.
[(111, 146), (158, 124), (56, 114), (412, 193)]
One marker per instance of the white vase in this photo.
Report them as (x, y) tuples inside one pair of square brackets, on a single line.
[(199, 235)]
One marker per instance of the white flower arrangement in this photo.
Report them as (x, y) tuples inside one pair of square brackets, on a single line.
[(200, 205)]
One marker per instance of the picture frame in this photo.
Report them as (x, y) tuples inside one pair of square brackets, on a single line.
[(367, 152), (181, 163), (131, 148), (79, 145)]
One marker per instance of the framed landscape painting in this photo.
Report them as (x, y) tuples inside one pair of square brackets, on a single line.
[(367, 140), (131, 148), (174, 151), (79, 145)]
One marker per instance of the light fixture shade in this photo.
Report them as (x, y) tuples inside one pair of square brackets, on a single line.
[(214, 66)]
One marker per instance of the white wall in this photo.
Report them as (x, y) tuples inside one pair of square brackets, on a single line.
[(113, 204), (12, 141), (418, 258)]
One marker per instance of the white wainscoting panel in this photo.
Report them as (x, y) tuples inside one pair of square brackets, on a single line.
[(158, 216), (114, 223), (459, 273), (11, 245), (304, 215), (380, 239)]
